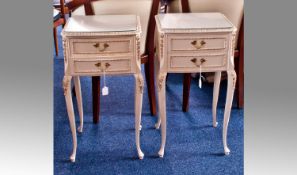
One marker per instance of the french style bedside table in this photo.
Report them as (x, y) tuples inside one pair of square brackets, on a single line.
[(195, 42), (97, 46)]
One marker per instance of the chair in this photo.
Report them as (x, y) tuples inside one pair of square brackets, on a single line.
[(146, 9), (59, 19), (57, 5), (233, 10)]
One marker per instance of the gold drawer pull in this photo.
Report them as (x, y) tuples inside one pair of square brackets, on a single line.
[(198, 45), (96, 45), (202, 60), (101, 48), (107, 65), (98, 64)]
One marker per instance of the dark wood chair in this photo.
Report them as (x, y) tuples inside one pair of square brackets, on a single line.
[(232, 10), (59, 19), (95, 7), (57, 5)]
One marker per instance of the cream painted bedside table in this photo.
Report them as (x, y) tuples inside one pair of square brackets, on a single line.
[(98, 45), (195, 42)]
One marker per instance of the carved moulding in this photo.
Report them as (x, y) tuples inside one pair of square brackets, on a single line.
[(161, 80), (233, 76), (66, 84), (140, 83)]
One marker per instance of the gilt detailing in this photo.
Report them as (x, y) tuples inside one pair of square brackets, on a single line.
[(66, 84), (161, 80)]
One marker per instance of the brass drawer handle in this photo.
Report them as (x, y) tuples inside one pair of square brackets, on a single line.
[(198, 45), (101, 48), (107, 65), (202, 60), (96, 45), (98, 64)]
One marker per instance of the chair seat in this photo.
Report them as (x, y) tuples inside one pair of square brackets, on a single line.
[(56, 14)]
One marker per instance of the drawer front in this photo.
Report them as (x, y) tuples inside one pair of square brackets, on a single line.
[(188, 63), (199, 43), (109, 66), (101, 46)]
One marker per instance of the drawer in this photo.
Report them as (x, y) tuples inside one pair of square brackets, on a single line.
[(195, 43), (101, 46), (98, 66), (194, 62)]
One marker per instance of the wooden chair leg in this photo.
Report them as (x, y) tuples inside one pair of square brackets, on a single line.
[(149, 75), (240, 70), (240, 79), (96, 98), (186, 91), (56, 41)]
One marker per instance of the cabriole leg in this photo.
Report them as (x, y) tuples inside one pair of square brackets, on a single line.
[(69, 104), (139, 84), (79, 102), (229, 99), (162, 110), (216, 91)]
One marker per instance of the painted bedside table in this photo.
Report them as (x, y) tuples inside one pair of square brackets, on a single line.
[(195, 42), (99, 45)]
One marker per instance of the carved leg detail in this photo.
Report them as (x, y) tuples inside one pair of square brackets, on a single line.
[(228, 106), (69, 104), (216, 91), (139, 84), (79, 102), (162, 111)]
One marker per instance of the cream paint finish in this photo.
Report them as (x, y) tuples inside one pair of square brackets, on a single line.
[(184, 48), (90, 50), (232, 9), (142, 8), (102, 23)]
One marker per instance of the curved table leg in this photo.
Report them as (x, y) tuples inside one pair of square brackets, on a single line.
[(69, 104), (162, 110), (79, 102), (229, 99), (139, 84), (216, 91)]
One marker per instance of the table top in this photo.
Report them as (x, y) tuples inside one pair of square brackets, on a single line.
[(195, 21), (102, 24)]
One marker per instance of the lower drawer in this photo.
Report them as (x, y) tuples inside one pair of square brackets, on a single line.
[(184, 63), (112, 65)]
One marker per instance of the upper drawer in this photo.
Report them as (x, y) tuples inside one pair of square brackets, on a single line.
[(197, 43), (101, 46)]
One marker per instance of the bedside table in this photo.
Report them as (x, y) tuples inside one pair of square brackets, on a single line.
[(195, 42), (101, 45)]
